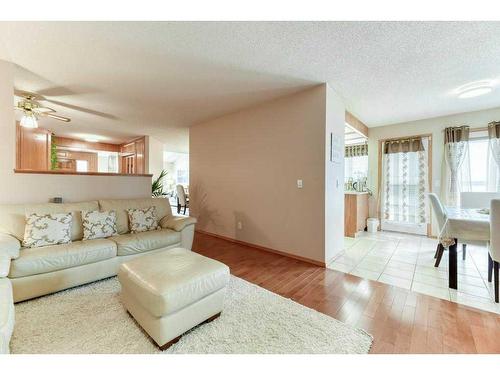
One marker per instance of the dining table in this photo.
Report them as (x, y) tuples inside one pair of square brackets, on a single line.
[(464, 225)]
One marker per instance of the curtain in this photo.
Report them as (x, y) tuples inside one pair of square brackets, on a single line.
[(404, 181), (356, 162), (493, 178), (356, 150), (456, 156)]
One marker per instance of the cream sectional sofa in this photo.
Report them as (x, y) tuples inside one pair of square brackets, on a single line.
[(38, 271), (6, 314)]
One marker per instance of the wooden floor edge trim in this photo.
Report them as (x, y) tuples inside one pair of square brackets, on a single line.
[(274, 251)]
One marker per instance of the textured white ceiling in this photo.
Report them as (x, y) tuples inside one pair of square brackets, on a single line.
[(160, 78)]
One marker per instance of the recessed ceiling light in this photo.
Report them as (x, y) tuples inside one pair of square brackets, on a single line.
[(93, 140), (471, 90)]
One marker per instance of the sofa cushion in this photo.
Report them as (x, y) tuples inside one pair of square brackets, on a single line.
[(13, 216), (162, 205), (97, 224), (142, 219), (47, 229), (135, 243), (53, 258), (6, 314)]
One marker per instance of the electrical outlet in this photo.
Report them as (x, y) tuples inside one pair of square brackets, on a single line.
[(240, 225)]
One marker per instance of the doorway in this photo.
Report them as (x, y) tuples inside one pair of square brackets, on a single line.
[(404, 178)]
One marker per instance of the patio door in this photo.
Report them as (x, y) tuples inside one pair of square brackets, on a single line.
[(404, 185)]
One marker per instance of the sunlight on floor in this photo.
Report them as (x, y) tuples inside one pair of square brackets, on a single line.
[(407, 261)]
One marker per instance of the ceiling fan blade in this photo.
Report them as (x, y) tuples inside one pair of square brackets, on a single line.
[(60, 118), (41, 110), (26, 94), (80, 109)]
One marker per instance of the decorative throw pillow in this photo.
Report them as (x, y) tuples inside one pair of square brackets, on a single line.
[(142, 219), (47, 229), (98, 224)]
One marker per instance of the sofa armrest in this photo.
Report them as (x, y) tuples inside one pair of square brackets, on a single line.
[(178, 223), (9, 246), (4, 265), (6, 314)]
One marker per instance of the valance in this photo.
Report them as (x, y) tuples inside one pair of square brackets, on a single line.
[(494, 129), (356, 150), (403, 145), (456, 134)]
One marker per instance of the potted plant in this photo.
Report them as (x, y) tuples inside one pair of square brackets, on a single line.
[(157, 186)]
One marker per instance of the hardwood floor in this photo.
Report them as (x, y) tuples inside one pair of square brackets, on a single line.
[(401, 321)]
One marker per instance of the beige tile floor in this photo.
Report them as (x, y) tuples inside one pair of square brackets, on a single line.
[(407, 261)]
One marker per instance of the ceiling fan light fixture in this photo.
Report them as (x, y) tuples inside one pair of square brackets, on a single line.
[(472, 93), (473, 89), (29, 120)]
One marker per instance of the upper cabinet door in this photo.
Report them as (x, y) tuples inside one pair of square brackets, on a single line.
[(33, 149), (140, 147)]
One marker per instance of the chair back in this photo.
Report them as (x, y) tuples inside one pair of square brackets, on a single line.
[(494, 230), (477, 199), (181, 195), (438, 209)]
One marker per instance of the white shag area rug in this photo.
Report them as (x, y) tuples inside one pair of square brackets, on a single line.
[(91, 319)]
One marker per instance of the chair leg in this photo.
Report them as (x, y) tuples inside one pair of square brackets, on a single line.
[(439, 255), (490, 268), (437, 251), (495, 267), (178, 206), (464, 250), (185, 209)]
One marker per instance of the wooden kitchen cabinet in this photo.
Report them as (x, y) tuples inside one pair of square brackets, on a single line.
[(33, 148), (132, 155), (355, 213)]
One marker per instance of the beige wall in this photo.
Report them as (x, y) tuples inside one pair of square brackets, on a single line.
[(155, 156), (33, 188), (244, 168), (432, 126)]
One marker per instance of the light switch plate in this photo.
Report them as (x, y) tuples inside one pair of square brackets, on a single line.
[(299, 184)]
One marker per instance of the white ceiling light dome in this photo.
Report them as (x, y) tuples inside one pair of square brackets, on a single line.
[(29, 120), (474, 89)]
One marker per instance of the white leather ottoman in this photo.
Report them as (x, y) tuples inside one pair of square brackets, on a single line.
[(172, 291)]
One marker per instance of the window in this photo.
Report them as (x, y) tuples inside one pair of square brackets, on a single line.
[(107, 162), (82, 166), (182, 177), (356, 168), (483, 169), (478, 151)]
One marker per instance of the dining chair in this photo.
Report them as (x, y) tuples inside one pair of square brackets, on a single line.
[(494, 246), (440, 214), (182, 200)]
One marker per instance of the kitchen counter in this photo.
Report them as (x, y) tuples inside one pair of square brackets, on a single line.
[(354, 192)]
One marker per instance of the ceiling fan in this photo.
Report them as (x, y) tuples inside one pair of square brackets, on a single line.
[(32, 110)]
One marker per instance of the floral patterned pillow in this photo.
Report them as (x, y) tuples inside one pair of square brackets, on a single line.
[(47, 229), (142, 219), (97, 224)]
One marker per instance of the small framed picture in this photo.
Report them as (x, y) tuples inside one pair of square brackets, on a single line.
[(335, 148)]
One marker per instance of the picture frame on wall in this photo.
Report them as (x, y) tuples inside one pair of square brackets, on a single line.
[(335, 148)]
